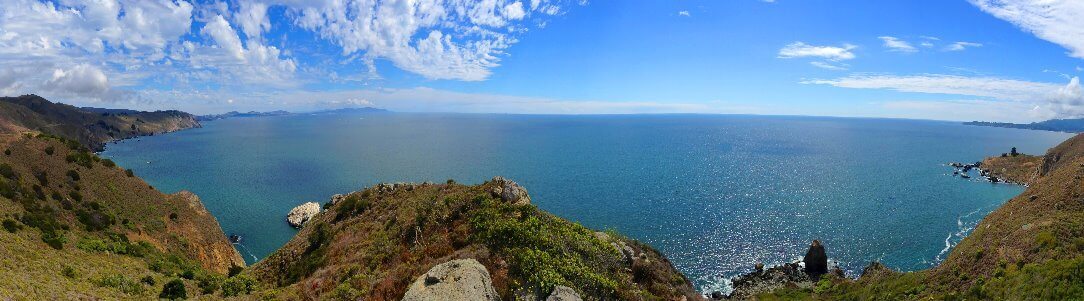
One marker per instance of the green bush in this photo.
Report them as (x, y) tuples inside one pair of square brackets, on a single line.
[(74, 175), (6, 171), (173, 290), (81, 158), (122, 283), (209, 283), (69, 272), (238, 285), (148, 280), (49, 150), (1046, 240), (129, 172), (12, 226), (75, 195), (95, 220), (108, 163)]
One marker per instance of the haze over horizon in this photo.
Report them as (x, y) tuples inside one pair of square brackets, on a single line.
[(995, 60)]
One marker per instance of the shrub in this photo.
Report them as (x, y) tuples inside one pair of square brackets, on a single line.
[(12, 226), (1046, 240), (173, 290), (7, 152), (209, 283), (188, 274), (236, 269), (74, 175), (68, 271), (95, 220), (75, 195), (42, 177), (7, 171), (129, 172), (81, 158), (173, 216), (122, 283), (238, 285), (49, 150), (351, 205), (148, 280), (108, 163)]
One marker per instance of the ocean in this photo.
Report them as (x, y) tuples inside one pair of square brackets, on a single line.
[(715, 193)]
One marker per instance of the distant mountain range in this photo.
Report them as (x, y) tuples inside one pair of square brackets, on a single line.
[(1055, 125), (285, 113)]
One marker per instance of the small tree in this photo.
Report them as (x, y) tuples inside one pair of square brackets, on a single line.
[(173, 290), (1013, 152)]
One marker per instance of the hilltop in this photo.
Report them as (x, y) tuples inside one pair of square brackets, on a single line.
[(90, 127)]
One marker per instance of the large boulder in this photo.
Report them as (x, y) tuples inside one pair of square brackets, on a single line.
[(510, 191), (816, 260), (303, 213), (462, 279), (563, 293)]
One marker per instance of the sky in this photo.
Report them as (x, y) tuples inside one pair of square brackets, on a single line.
[(995, 60)]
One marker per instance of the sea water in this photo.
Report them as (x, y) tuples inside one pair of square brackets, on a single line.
[(714, 193)]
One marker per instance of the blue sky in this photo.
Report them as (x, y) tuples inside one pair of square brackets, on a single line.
[(1004, 60)]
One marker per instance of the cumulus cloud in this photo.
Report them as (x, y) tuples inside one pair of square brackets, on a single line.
[(1059, 100), (1058, 21), (961, 46), (833, 53), (684, 13), (895, 44)]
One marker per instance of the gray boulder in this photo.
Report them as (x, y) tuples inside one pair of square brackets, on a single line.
[(563, 293), (510, 191), (462, 279)]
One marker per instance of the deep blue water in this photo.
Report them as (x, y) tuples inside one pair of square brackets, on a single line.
[(716, 193)]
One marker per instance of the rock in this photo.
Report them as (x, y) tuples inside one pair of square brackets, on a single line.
[(463, 279), (760, 267), (563, 293), (717, 295), (816, 260), (303, 213), (335, 199), (510, 191)]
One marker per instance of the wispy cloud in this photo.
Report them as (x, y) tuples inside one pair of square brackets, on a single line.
[(1057, 21), (1060, 100), (961, 46), (684, 13), (829, 66), (895, 44), (834, 53)]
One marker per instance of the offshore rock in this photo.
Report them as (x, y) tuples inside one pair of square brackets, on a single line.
[(463, 279), (303, 213), (816, 260)]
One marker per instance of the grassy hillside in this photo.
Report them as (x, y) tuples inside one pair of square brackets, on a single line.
[(373, 243), (1031, 248), (90, 128)]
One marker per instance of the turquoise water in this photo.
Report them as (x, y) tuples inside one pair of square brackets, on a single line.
[(714, 193)]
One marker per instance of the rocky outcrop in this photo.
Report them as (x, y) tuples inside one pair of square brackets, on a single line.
[(801, 274), (303, 213), (563, 293), (463, 279), (510, 191), (816, 260)]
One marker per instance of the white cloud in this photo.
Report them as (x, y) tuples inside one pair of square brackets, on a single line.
[(684, 13), (833, 53), (1060, 100), (224, 36), (826, 65), (895, 44), (960, 46), (1057, 21)]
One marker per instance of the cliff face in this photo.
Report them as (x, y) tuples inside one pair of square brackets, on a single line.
[(373, 244), (91, 127)]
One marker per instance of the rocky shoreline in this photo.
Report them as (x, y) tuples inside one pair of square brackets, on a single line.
[(798, 274)]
